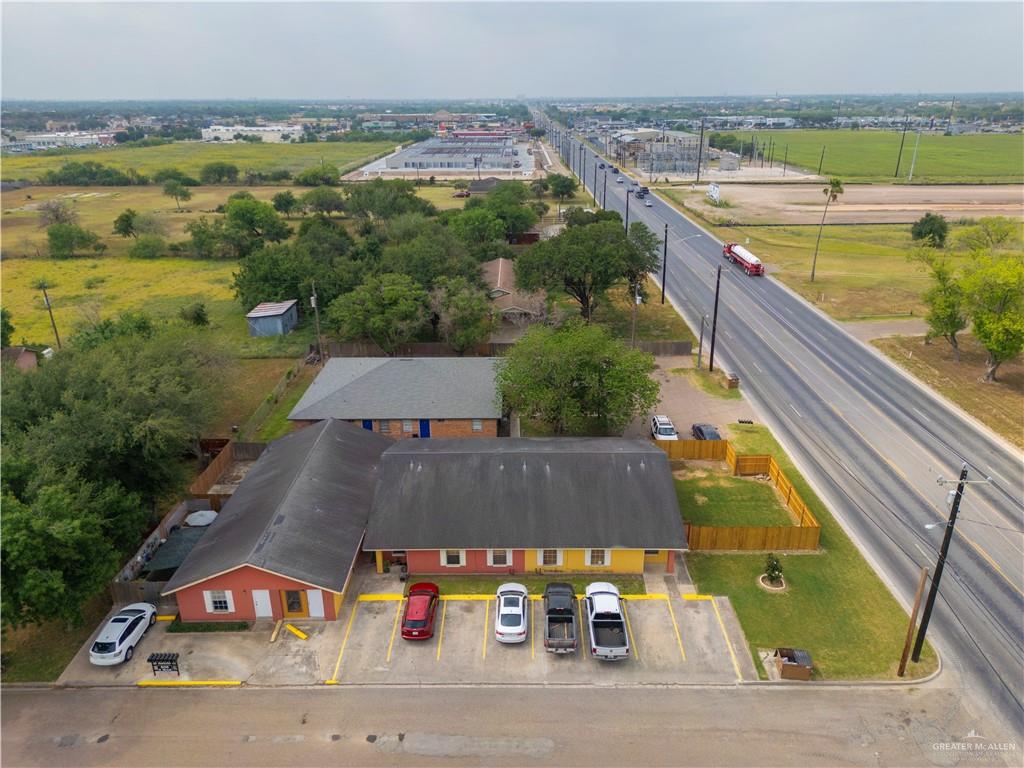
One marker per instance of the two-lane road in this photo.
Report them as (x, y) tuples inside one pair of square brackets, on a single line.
[(872, 442)]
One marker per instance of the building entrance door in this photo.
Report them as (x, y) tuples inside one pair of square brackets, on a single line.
[(294, 603)]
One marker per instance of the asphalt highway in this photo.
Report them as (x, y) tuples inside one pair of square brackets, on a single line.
[(872, 442)]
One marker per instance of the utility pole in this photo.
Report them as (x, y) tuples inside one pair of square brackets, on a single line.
[(903, 138), (627, 210), (822, 160), (594, 187), (316, 314), (700, 150), (664, 265), (604, 190), (785, 160), (913, 160), (53, 323), (940, 564), (714, 321)]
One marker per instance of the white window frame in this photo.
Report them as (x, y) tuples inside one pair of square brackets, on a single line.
[(384, 426), (408, 425), (508, 558), (558, 558), (478, 425), (208, 598), (607, 558), (444, 558)]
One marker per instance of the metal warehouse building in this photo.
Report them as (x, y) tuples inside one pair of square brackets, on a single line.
[(463, 153)]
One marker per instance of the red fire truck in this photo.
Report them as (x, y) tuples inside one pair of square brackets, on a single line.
[(737, 254)]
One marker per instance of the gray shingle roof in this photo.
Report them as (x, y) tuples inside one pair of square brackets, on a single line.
[(300, 511), (402, 388), (524, 493)]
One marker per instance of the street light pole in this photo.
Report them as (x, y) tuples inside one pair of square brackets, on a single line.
[(940, 564), (627, 210), (594, 187), (714, 322), (664, 265), (604, 190)]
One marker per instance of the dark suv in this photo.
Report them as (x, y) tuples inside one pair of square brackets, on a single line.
[(704, 432)]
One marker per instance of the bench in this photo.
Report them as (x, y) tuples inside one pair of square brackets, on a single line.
[(164, 662)]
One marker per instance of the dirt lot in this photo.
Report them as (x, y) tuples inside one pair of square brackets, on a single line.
[(859, 204)]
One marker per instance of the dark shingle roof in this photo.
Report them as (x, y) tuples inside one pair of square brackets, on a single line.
[(300, 511), (401, 388), (524, 493)]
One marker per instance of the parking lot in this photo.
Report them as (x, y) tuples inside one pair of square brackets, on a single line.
[(673, 640)]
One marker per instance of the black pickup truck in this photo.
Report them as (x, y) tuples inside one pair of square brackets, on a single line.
[(560, 618)]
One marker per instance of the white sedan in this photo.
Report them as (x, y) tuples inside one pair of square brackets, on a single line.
[(510, 620), (117, 640)]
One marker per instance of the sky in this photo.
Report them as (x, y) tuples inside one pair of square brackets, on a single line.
[(244, 50)]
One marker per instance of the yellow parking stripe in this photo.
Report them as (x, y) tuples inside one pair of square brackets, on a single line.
[(166, 616), (440, 634), (344, 642), (487, 621), (728, 642), (629, 629), (394, 627), (675, 626), (297, 632), (467, 597), (185, 683), (532, 627), (697, 597), (378, 598), (649, 596)]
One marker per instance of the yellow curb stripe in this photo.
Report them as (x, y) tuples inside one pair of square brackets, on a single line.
[(379, 598), (468, 597), (186, 683), (675, 626), (344, 642), (487, 621), (440, 633), (629, 629), (728, 642), (651, 596), (166, 617), (297, 632), (394, 628), (697, 597)]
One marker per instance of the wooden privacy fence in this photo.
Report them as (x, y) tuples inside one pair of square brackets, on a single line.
[(207, 479), (805, 534)]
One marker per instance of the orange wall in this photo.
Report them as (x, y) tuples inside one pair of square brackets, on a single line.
[(438, 428), (241, 582), (429, 561)]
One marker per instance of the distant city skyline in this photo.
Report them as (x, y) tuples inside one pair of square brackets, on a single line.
[(429, 51)]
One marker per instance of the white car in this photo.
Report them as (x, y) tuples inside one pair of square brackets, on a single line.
[(117, 640), (620, 180), (510, 622), (662, 428), (647, 202)]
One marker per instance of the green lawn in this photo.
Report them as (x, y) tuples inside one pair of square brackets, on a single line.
[(836, 607), (488, 585), (869, 155), (276, 424), (654, 321), (190, 157), (441, 196), (711, 383), (715, 497)]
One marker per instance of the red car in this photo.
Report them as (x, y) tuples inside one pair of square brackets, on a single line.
[(461, 193), (420, 609)]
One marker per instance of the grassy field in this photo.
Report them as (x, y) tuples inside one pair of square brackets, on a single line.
[(276, 424), (869, 155), (711, 383), (488, 585), (654, 321), (245, 389), (190, 157), (712, 496), (1000, 404), (441, 196), (835, 606)]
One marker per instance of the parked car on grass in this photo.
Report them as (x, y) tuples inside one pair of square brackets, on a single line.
[(510, 621), (662, 428), (117, 640), (420, 610), (462, 193), (704, 432)]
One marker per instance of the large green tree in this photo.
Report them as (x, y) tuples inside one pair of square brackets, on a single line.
[(476, 226), (324, 200), (993, 289), (178, 191), (389, 310), (577, 379), (386, 198), (124, 224), (991, 232), (832, 193), (431, 255), (946, 315), (318, 176), (464, 312), (219, 173), (67, 240)]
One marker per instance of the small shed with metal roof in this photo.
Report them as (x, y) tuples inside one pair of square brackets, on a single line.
[(273, 318)]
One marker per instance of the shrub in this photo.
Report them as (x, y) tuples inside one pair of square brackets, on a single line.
[(66, 240), (148, 247), (773, 569), (195, 314), (179, 626), (932, 229)]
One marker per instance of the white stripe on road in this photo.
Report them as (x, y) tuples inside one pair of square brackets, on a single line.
[(920, 414), (799, 415)]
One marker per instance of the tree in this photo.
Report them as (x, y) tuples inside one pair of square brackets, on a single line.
[(477, 225), (386, 198), (583, 261), (990, 233), (946, 315), (577, 379), (173, 174), (319, 175), (323, 200), (6, 327), (641, 258), (431, 255), (56, 212), (539, 187), (932, 229), (248, 223), (219, 173), (148, 247), (536, 133), (285, 202), (562, 187), (832, 193), (993, 289), (124, 224), (67, 240), (581, 217), (389, 310), (178, 191), (464, 311)]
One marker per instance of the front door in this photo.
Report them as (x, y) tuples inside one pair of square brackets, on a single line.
[(424, 427), (294, 604), (368, 424), (261, 603)]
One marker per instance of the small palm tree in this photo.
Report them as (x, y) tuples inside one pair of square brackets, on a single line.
[(832, 193)]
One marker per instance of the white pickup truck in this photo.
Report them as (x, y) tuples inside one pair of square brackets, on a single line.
[(608, 637)]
